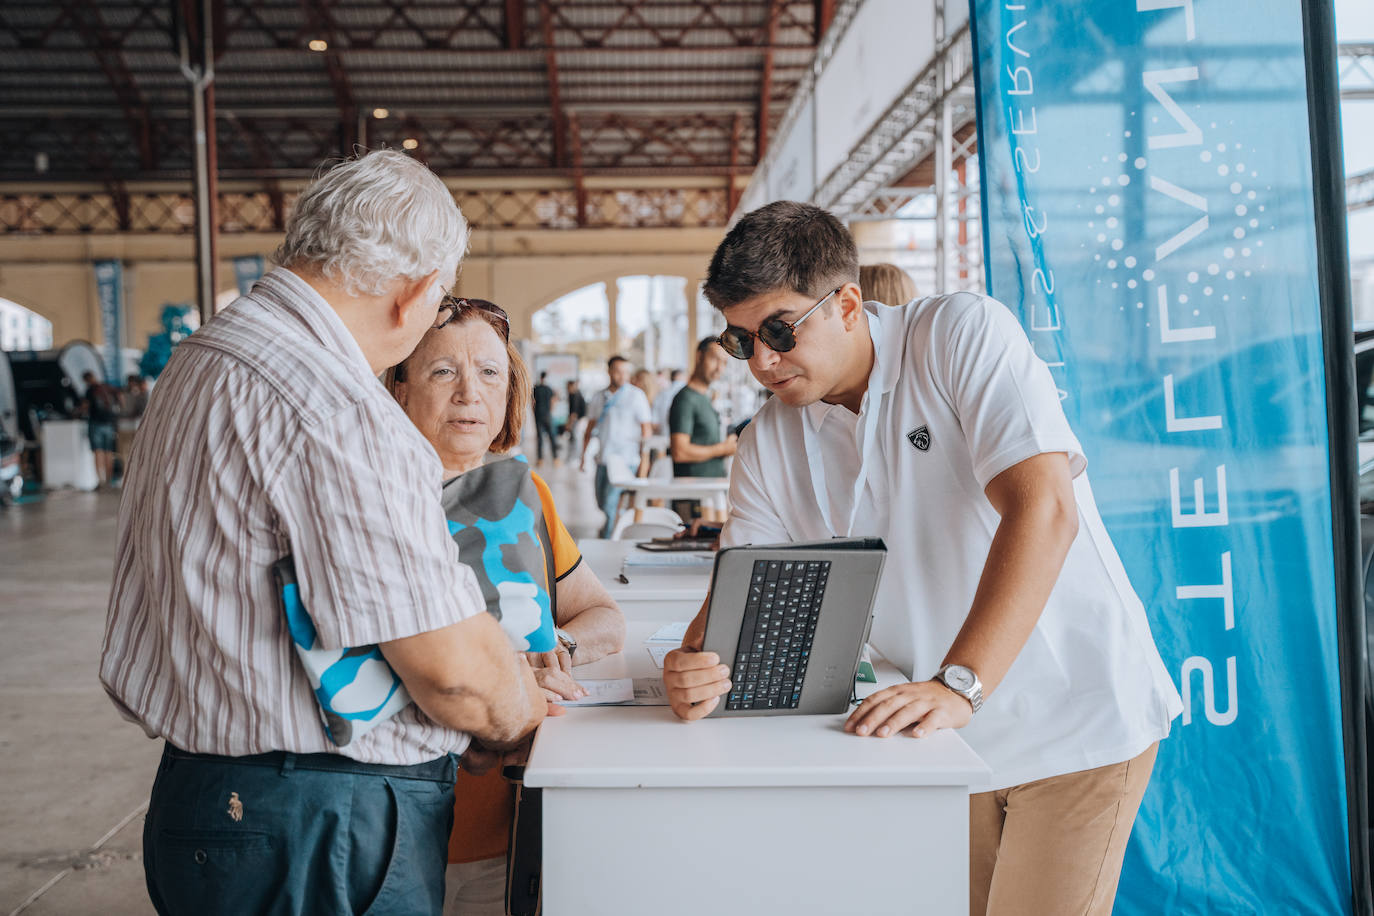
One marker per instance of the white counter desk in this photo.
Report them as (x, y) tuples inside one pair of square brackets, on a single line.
[(644, 813), (712, 491), (670, 588)]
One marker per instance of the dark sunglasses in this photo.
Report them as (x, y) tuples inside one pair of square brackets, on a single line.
[(779, 335), (456, 306)]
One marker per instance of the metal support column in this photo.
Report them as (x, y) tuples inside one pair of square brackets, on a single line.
[(613, 332), (198, 65), (691, 292), (944, 138), (961, 173)]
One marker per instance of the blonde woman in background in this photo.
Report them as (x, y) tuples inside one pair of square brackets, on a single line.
[(886, 283)]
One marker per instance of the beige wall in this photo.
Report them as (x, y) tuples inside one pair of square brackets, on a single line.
[(521, 270), (52, 275)]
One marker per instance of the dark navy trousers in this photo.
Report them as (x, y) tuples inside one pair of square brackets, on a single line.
[(284, 833)]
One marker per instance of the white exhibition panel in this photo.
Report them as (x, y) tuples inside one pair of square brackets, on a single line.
[(643, 813), (793, 175), (756, 193), (885, 47), (67, 457), (743, 851)]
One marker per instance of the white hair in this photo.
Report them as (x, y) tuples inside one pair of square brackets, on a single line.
[(373, 219)]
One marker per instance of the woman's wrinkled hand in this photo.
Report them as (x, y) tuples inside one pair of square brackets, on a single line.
[(558, 684), (558, 657)]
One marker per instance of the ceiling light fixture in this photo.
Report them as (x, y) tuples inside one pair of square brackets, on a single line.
[(380, 113), (319, 44), (410, 143)]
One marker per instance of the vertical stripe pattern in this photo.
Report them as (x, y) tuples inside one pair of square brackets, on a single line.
[(267, 434)]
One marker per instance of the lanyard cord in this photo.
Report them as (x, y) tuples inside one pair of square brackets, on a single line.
[(873, 399)]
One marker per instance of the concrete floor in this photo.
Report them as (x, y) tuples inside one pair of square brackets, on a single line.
[(76, 775)]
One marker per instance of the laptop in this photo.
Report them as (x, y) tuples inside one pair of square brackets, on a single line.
[(791, 621)]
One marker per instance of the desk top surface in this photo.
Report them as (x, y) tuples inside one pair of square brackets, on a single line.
[(675, 485), (625, 747), (647, 746), (646, 583)]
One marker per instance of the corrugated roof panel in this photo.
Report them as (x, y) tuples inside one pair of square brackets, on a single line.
[(154, 61), (441, 79), (48, 59), (424, 55), (668, 60), (364, 58), (682, 24)]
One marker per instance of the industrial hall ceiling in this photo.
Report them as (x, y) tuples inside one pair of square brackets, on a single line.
[(583, 94)]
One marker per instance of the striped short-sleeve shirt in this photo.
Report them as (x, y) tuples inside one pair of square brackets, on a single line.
[(268, 434)]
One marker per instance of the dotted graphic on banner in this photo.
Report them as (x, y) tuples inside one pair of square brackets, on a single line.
[(1233, 209)]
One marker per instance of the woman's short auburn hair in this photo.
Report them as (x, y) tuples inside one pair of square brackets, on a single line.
[(517, 394)]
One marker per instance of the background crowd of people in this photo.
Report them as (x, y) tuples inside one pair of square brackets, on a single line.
[(112, 415)]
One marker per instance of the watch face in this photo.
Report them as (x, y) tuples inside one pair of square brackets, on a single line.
[(959, 678)]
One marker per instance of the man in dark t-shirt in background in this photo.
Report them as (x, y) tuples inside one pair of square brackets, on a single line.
[(694, 434), (101, 408), (543, 418), (577, 409)]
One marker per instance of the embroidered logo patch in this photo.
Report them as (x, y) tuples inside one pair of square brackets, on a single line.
[(235, 807), (919, 437)]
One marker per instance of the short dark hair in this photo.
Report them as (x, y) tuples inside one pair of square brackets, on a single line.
[(706, 343), (543, 375), (782, 245), (610, 363)]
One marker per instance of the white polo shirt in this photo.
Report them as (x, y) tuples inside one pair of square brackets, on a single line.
[(618, 415), (960, 398)]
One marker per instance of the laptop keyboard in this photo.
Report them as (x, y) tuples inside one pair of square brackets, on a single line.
[(775, 638)]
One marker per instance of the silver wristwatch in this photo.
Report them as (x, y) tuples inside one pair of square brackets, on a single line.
[(963, 682), (567, 640)]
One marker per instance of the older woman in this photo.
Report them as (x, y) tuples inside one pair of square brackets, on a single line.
[(466, 389)]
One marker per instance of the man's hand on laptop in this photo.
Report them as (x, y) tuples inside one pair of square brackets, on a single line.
[(919, 708), (695, 680)]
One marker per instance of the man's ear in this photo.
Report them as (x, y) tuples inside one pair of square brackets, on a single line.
[(401, 391), (851, 303), (414, 294)]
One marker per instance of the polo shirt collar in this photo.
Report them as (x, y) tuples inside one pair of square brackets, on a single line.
[(887, 324), (883, 322), (302, 304)]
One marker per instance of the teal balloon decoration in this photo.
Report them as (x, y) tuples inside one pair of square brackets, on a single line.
[(175, 329)]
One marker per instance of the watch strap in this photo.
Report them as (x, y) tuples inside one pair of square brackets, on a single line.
[(566, 640), (974, 694)]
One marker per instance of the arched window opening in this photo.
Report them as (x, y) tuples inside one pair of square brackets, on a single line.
[(22, 328)]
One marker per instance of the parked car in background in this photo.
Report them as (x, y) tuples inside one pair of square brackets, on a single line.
[(11, 479), (1364, 386)]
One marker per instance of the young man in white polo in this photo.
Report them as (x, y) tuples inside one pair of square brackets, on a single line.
[(934, 426)]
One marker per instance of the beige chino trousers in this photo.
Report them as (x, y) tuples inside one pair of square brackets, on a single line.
[(1054, 847)]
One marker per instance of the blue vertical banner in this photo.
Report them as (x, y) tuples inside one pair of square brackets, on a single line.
[(247, 271), (1148, 196), (109, 288)]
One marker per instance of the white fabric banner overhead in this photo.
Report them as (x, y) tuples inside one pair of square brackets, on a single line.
[(793, 175), (756, 193), (885, 47)]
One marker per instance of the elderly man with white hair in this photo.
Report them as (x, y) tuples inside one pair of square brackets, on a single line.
[(270, 436)]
